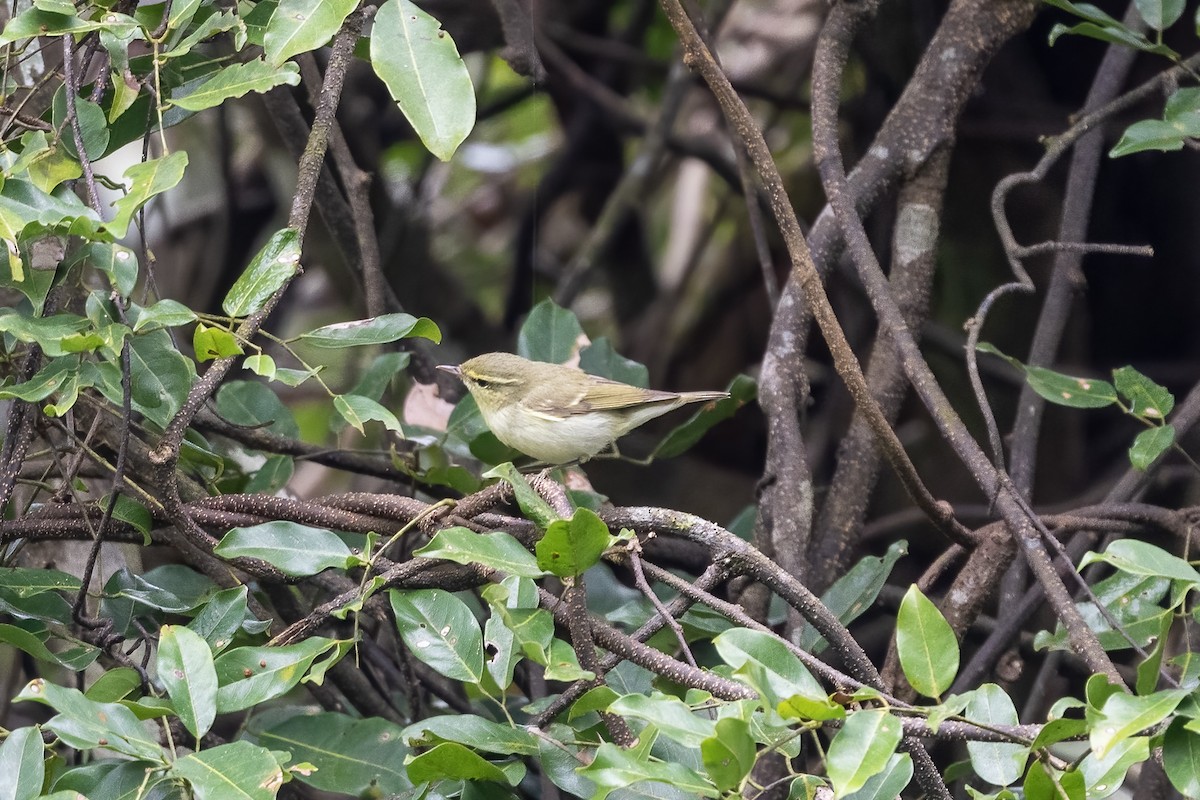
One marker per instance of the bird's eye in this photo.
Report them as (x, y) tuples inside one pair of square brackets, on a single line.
[(483, 384)]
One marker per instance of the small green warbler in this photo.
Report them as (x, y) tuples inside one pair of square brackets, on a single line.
[(559, 414)]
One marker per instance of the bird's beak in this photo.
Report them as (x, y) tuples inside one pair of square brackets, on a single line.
[(453, 369)]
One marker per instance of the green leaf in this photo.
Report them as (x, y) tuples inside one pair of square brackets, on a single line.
[(1181, 758), (571, 547), (780, 674), (211, 343), (298, 26), (254, 405), (1044, 783), (1148, 134), (93, 125), (1147, 399), (375, 330), (1124, 715), (1142, 558), (889, 783), (441, 631), (497, 550), (1103, 776), (222, 616), (861, 749), (22, 764), (163, 314), (420, 65), (550, 333), (452, 760), (161, 377), (34, 22), (146, 180), (117, 262), (729, 754), (473, 731), (248, 676), (1150, 444), (742, 390), (356, 757), (1113, 34), (1065, 390), (185, 667), (855, 592), (261, 364), (358, 410), (84, 724), (613, 768), (234, 771), (531, 503), (998, 763), (1160, 14), (599, 358), (670, 715), (27, 582), (926, 644), (295, 549), (235, 81), (74, 658), (269, 271)]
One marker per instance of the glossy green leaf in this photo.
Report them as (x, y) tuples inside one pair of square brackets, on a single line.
[(420, 65), (146, 180), (497, 550), (185, 667), (93, 125), (253, 404), (1181, 758), (298, 26), (780, 673), (531, 503), (163, 314), (352, 756), (614, 768), (234, 771), (22, 764), (728, 754), (1160, 14), (27, 581), (998, 763), (1104, 776), (1065, 390), (452, 760), (161, 377), (1145, 397), (670, 715), (84, 724), (74, 658), (473, 731), (599, 358), (376, 330), (1142, 558), (571, 547), (236, 80), (550, 333), (118, 263), (357, 411), (260, 364), (1148, 134), (295, 549), (926, 645), (248, 676), (441, 631), (223, 615), (1044, 783), (269, 271), (212, 343), (1124, 715), (1150, 444), (861, 749), (889, 783), (855, 592)]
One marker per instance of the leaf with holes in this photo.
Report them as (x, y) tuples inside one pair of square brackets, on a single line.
[(441, 631)]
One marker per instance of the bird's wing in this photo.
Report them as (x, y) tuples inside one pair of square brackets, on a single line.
[(606, 395), (547, 401)]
